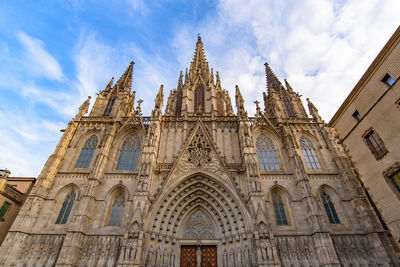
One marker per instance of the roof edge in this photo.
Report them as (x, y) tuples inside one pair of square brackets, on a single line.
[(393, 40)]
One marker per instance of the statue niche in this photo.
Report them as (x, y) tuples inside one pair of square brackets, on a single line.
[(199, 226)]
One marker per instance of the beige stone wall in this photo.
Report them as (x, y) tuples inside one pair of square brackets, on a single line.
[(376, 103)]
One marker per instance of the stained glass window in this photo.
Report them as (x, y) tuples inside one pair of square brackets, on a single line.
[(87, 153), (330, 209), (266, 154), (129, 153), (199, 99), (116, 211), (66, 208), (109, 106), (289, 107), (279, 208), (309, 153)]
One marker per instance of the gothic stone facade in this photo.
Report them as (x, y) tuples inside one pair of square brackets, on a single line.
[(197, 185)]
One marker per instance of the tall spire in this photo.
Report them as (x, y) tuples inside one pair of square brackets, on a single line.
[(273, 84), (199, 64), (125, 82)]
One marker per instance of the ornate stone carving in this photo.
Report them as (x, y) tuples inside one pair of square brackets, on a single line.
[(199, 149), (198, 226)]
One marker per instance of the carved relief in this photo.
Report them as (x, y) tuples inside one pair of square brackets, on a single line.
[(41, 250), (198, 226), (199, 149)]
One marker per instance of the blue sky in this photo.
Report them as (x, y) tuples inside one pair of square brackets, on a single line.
[(54, 54)]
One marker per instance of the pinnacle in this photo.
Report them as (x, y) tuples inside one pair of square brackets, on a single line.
[(199, 63), (288, 87), (126, 79), (272, 81)]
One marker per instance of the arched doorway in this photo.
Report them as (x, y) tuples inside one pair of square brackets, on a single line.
[(201, 211), (198, 227)]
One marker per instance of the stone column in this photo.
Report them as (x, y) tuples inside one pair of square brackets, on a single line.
[(323, 242)]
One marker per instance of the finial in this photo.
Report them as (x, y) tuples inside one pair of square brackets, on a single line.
[(257, 106), (140, 101), (198, 37)]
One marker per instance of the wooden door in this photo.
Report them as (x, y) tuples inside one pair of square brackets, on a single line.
[(208, 256)]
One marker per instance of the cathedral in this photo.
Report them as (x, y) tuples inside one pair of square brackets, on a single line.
[(197, 184)]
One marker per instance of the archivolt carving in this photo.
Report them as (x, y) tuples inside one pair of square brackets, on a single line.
[(194, 193), (198, 226)]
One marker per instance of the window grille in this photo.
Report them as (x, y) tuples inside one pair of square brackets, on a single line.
[(330, 209), (267, 157), (309, 153), (116, 211), (279, 208), (87, 153), (129, 153), (66, 208)]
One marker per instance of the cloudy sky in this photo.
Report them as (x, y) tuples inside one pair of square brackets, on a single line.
[(54, 54)]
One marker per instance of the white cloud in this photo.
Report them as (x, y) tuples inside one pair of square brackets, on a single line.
[(138, 5), (321, 46), (27, 142), (40, 62)]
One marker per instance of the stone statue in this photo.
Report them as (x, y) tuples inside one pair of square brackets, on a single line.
[(225, 259), (198, 257)]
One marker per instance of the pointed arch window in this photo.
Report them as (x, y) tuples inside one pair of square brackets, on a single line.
[(279, 209), (309, 153), (330, 209), (199, 99), (116, 211), (267, 157), (129, 153), (178, 107), (87, 152), (66, 208), (220, 104), (289, 107), (109, 106)]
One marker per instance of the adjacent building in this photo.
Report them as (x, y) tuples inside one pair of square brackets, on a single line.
[(13, 192), (368, 123), (197, 184)]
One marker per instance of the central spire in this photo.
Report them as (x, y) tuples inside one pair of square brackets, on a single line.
[(199, 64), (197, 94)]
